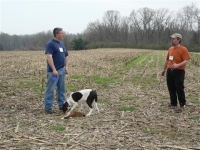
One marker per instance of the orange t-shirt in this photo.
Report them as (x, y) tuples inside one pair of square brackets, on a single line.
[(177, 55)]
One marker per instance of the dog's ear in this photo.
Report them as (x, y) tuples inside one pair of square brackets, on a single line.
[(65, 107)]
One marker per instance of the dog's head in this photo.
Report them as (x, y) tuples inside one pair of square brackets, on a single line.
[(65, 107)]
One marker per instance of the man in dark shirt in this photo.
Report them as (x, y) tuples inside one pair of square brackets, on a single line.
[(57, 68)]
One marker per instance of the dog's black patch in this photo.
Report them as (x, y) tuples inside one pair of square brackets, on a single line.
[(91, 97), (77, 96)]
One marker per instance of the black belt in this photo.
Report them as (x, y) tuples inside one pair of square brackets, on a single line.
[(174, 69)]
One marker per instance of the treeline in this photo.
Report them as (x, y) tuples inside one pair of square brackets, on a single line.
[(30, 42), (145, 28)]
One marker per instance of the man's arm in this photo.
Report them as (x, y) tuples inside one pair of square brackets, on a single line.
[(51, 64), (174, 66), (165, 67), (67, 64)]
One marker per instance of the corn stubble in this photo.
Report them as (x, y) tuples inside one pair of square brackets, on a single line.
[(132, 80)]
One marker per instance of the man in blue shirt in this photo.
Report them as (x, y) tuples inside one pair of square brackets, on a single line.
[(57, 68)]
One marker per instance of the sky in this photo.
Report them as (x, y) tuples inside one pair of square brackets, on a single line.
[(22, 17)]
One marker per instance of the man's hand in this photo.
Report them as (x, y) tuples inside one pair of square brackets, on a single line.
[(55, 73), (163, 73), (175, 66), (67, 70)]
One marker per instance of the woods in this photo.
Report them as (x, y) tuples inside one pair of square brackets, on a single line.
[(144, 28)]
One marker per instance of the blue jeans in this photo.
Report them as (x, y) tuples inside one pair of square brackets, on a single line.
[(60, 89)]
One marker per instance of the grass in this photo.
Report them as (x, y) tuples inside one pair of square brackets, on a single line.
[(71, 87), (76, 76), (27, 148), (99, 123), (149, 130), (133, 62), (129, 98), (65, 120), (192, 98), (58, 128), (194, 118), (105, 102), (66, 139), (127, 108), (102, 80), (37, 89)]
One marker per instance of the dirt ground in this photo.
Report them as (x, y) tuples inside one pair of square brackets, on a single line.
[(132, 98)]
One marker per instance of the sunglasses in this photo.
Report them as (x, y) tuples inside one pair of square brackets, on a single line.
[(58, 30)]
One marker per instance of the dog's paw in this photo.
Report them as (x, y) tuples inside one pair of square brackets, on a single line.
[(88, 115)]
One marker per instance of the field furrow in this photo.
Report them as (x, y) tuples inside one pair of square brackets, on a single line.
[(132, 97)]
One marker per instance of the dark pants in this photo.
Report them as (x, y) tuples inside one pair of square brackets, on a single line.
[(175, 84)]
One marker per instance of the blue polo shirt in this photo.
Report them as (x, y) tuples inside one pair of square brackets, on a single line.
[(58, 51)]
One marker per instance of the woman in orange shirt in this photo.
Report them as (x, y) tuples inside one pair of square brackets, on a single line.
[(176, 60)]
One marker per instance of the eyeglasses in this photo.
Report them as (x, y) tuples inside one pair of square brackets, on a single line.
[(58, 30)]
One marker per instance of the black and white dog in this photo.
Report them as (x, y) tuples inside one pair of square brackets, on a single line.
[(87, 95)]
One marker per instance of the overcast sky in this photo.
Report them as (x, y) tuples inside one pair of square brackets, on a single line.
[(32, 16)]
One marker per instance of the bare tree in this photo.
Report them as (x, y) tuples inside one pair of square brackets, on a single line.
[(187, 22), (124, 29), (111, 21), (146, 18), (93, 31), (142, 23), (199, 28), (161, 23)]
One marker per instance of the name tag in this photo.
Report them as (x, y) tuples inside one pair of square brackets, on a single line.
[(61, 49), (171, 57)]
